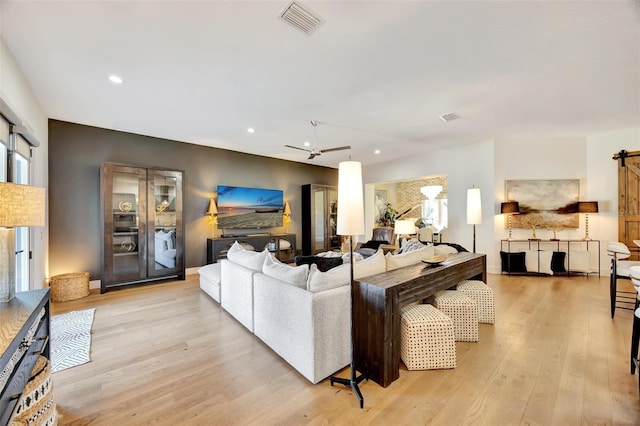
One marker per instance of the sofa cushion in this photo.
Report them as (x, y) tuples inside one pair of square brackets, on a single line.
[(341, 275), (444, 249), (411, 245), (323, 263), (372, 265), (295, 275), (407, 259), (247, 258), (577, 261), (538, 261), (321, 281)]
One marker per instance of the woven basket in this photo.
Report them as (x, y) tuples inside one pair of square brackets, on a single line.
[(69, 286)]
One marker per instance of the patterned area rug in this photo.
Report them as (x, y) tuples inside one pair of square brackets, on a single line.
[(71, 339)]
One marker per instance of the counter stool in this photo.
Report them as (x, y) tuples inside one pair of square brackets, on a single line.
[(483, 295), (634, 274), (463, 310), (427, 338), (620, 268)]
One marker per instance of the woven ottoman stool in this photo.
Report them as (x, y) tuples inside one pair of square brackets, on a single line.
[(483, 295), (74, 285), (427, 339), (462, 310)]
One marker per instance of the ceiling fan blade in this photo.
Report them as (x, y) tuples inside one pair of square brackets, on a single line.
[(312, 156), (295, 147), (339, 148)]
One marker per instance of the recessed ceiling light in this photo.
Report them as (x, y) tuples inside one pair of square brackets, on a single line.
[(377, 151), (251, 130), (306, 143), (115, 79)]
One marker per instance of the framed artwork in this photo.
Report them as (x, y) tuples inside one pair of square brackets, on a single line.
[(380, 199), (549, 203)]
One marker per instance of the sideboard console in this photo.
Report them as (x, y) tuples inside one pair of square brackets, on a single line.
[(283, 246), (578, 256), (24, 335)]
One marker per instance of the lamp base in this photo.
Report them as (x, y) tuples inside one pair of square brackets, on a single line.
[(351, 383), (7, 264)]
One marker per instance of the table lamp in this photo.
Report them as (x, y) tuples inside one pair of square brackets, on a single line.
[(20, 205), (587, 207), (509, 208), (212, 211)]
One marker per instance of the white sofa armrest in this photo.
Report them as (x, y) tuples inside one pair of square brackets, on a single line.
[(236, 292), (311, 331)]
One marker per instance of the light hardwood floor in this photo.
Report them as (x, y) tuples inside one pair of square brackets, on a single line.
[(168, 354)]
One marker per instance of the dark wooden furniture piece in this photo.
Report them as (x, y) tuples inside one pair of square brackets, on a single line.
[(217, 247), (319, 219), (142, 225), (24, 335), (379, 298)]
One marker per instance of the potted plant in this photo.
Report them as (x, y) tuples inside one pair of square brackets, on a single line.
[(388, 216)]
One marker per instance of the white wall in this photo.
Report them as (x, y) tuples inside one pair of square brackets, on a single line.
[(464, 166), (488, 164), (17, 93)]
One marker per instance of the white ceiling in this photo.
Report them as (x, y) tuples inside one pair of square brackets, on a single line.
[(379, 73)]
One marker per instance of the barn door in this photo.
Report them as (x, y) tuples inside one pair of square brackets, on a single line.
[(629, 198)]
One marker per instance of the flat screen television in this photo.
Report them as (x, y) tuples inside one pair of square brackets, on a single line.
[(249, 208)]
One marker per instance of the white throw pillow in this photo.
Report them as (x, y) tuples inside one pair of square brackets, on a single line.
[(372, 265), (577, 261), (296, 275), (531, 261), (406, 259), (620, 249), (247, 258), (444, 249), (166, 236), (334, 277)]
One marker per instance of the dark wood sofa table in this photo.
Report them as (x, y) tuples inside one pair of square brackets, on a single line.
[(379, 298)]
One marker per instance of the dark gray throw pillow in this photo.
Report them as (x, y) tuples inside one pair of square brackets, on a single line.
[(513, 262), (323, 263), (557, 261)]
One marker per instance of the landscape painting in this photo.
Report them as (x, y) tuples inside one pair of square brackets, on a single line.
[(249, 208), (546, 204)]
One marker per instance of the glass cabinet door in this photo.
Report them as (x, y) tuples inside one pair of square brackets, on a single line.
[(124, 245), (318, 223), (165, 229)]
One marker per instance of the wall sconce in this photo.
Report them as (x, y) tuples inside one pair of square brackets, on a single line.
[(212, 211), (509, 208), (474, 211), (286, 215), (587, 207), (20, 205)]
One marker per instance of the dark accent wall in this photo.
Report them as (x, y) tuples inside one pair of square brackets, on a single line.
[(76, 153)]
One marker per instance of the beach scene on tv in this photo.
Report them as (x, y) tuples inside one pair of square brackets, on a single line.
[(249, 208)]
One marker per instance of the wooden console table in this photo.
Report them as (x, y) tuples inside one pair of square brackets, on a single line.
[(217, 247), (379, 298), (24, 335)]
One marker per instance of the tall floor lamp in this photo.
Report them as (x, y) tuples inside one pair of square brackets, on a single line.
[(474, 211), (20, 205), (350, 222)]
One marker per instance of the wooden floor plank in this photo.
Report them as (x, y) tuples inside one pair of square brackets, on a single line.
[(168, 354)]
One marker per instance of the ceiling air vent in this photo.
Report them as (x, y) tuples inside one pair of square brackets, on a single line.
[(301, 17), (449, 117)]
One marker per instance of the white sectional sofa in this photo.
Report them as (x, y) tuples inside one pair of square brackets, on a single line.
[(302, 314)]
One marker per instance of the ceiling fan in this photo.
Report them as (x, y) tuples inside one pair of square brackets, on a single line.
[(314, 152)]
